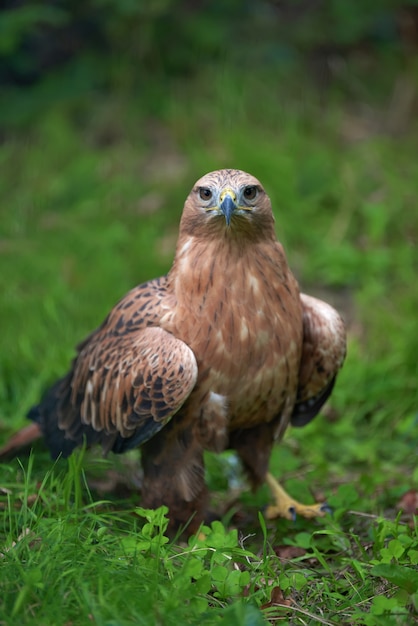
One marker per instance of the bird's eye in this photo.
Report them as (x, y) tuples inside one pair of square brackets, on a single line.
[(250, 192), (205, 193)]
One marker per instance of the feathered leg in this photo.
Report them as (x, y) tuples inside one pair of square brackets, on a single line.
[(174, 476)]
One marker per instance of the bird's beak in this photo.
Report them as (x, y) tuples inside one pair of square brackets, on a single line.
[(228, 204)]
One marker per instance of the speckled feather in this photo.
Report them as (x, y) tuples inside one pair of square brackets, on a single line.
[(222, 352)]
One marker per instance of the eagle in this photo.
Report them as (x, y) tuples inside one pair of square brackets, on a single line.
[(224, 352)]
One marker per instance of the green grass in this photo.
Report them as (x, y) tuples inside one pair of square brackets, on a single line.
[(90, 196)]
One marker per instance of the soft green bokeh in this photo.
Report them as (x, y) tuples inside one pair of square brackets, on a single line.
[(96, 161)]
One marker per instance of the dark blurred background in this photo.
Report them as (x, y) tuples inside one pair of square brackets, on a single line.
[(73, 46)]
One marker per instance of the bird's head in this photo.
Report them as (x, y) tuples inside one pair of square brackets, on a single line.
[(229, 201)]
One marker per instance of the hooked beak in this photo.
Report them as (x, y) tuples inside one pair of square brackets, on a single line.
[(228, 204)]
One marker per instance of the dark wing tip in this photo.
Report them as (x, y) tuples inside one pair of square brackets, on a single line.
[(147, 431), (304, 412), (45, 415)]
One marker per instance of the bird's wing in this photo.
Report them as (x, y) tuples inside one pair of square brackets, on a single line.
[(323, 353), (129, 378), (132, 383)]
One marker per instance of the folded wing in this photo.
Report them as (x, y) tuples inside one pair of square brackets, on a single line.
[(128, 379), (133, 383), (323, 353)]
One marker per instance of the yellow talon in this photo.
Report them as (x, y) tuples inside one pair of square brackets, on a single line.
[(287, 507)]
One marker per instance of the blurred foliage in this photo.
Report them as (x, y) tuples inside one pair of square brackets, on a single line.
[(177, 36), (58, 51)]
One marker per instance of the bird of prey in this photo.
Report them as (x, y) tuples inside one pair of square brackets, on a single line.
[(221, 353)]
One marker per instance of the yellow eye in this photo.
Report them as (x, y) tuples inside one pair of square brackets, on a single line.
[(205, 193), (250, 192)]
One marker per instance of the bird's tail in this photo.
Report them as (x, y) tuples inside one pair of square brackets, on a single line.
[(45, 415), (45, 424), (20, 441)]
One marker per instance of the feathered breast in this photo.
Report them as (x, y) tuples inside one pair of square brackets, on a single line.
[(239, 310)]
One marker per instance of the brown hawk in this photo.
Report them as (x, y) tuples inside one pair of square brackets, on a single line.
[(223, 352)]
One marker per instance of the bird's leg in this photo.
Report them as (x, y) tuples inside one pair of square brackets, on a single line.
[(287, 507)]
